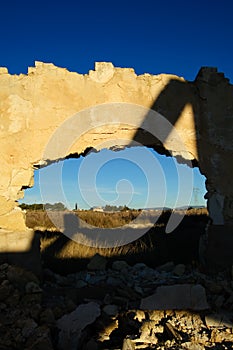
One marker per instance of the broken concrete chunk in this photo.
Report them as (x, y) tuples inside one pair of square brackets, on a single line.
[(110, 310), (179, 270), (172, 331), (167, 267), (219, 336), (218, 320), (192, 346), (175, 297), (98, 262), (119, 265), (71, 325), (128, 345)]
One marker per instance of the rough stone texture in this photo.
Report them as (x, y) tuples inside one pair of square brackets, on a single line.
[(55, 314), (72, 324), (218, 320), (98, 262), (35, 105), (180, 296)]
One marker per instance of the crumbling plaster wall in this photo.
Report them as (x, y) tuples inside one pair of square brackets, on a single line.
[(33, 106)]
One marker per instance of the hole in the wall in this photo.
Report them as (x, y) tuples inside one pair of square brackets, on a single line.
[(116, 166), (121, 184)]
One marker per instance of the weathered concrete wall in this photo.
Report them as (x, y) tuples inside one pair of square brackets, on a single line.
[(33, 106)]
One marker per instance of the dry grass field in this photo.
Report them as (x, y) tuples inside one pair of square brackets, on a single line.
[(154, 247), (39, 219)]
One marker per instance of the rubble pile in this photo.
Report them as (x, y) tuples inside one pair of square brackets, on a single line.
[(116, 307)]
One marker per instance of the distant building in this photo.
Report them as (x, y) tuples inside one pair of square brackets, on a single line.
[(100, 209)]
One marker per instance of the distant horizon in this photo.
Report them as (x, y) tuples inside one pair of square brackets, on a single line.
[(99, 207)]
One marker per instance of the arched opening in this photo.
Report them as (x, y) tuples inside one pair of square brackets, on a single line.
[(115, 166), (111, 190)]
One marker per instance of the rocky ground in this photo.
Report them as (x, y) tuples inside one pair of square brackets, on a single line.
[(116, 307)]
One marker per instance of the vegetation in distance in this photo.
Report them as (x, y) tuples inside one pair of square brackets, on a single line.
[(109, 217), (60, 207), (38, 206), (108, 208)]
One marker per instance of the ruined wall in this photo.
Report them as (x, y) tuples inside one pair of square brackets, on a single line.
[(33, 106)]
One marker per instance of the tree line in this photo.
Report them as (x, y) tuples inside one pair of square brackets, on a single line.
[(61, 207), (48, 206)]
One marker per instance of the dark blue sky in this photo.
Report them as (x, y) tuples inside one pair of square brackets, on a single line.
[(151, 36), (154, 37)]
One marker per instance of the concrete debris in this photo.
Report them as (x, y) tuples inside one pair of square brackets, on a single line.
[(101, 309), (97, 263), (71, 325), (219, 320), (128, 345), (180, 296), (179, 270), (172, 332)]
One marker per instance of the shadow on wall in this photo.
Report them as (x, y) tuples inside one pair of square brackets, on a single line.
[(26, 256), (217, 242), (171, 103), (175, 96)]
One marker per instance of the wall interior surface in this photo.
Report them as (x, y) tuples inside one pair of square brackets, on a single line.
[(113, 106)]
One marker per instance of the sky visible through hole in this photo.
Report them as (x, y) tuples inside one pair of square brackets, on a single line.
[(137, 177)]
